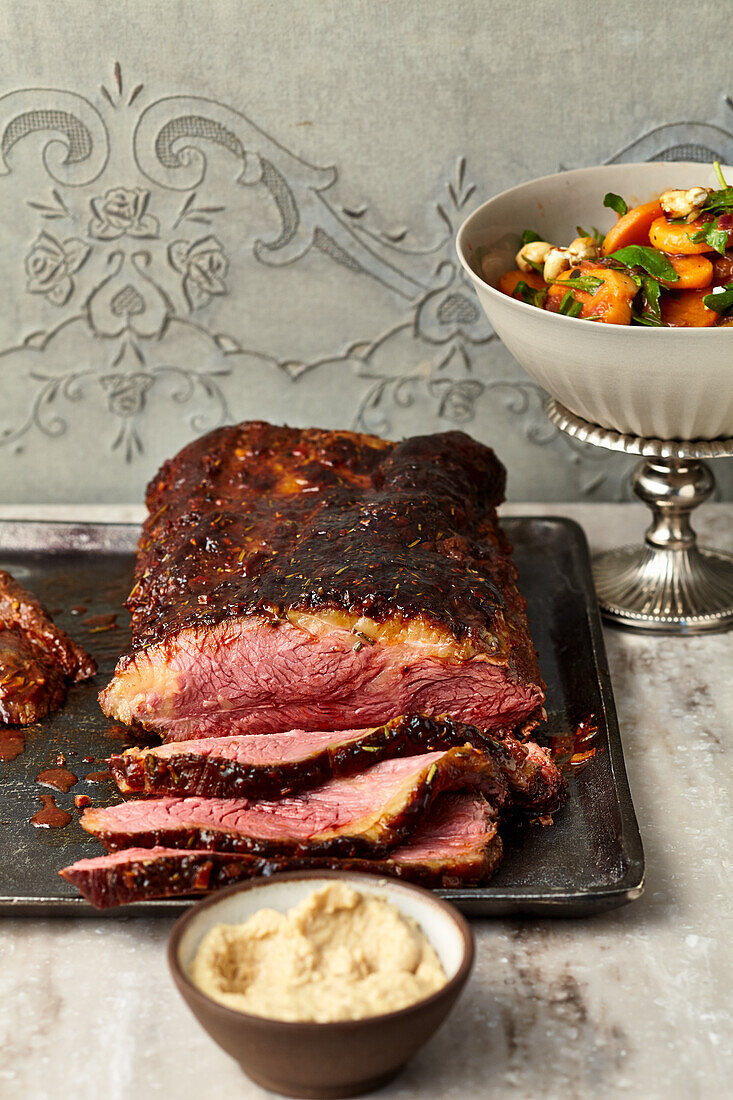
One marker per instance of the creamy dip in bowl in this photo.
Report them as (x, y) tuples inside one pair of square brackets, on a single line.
[(340, 954), (361, 1025)]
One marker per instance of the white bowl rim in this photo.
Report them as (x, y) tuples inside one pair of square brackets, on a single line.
[(557, 318)]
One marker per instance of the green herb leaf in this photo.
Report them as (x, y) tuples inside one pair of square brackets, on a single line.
[(529, 295), (529, 235), (723, 198), (594, 232), (655, 263), (651, 292), (615, 202), (589, 283), (720, 299), (569, 306), (650, 313), (716, 238), (719, 200), (539, 268)]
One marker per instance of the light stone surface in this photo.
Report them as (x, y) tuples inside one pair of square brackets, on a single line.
[(636, 1003)]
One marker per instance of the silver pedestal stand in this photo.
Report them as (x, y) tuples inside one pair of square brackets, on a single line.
[(670, 584)]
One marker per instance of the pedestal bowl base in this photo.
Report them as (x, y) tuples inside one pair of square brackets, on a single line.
[(670, 584), (668, 591)]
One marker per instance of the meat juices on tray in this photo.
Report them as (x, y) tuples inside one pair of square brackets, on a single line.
[(37, 658), (292, 579)]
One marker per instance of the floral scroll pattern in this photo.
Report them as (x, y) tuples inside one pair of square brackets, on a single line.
[(132, 265)]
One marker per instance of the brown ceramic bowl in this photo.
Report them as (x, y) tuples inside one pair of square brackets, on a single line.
[(346, 1058)]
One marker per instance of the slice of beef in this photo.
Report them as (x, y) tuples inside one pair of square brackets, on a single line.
[(272, 765), (20, 609), (456, 843), (37, 659), (308, 579), (365, 814)]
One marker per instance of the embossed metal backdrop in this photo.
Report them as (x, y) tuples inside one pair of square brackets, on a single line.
[(169, 264)]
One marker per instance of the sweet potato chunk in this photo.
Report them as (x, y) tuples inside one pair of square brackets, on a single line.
[(632, 227), (610, 304), (693, 272), (675, 237), (686, 310), (510, 279)]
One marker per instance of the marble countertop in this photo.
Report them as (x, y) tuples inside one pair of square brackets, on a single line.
[(634, 1003)]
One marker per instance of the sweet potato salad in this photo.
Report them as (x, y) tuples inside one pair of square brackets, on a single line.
[(667, 263)]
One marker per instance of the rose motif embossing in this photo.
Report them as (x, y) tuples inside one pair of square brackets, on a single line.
[(457, 399), (121, 212), (50, 264), (126, 392), (128, 342), (203, 265)]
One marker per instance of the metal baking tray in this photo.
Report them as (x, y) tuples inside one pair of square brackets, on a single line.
[(590, 860)]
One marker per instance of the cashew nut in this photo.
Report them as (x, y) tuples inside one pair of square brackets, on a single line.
[(557, 260), (583, 248), (532, 253), (684, 204)]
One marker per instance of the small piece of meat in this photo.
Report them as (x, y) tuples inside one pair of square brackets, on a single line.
[(456, 843), (308, 579), (362, 815), (534, 779), (37, 659), (30, 687), (19, 608), (271, 765)]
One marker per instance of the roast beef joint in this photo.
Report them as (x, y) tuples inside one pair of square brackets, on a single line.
[(328, 637), (302, 579)]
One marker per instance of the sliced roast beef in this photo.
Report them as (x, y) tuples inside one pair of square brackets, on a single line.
[(37, 659), (272, 765), (304, 579), (365, 814), (456, 843)]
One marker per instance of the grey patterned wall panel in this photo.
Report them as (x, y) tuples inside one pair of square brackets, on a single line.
[(232, 210)]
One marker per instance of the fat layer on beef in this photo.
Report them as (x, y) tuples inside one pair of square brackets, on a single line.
[(321, 580)]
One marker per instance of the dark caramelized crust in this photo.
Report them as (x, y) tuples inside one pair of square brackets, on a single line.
[(30, 687), (362, 815), (262, 519)]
